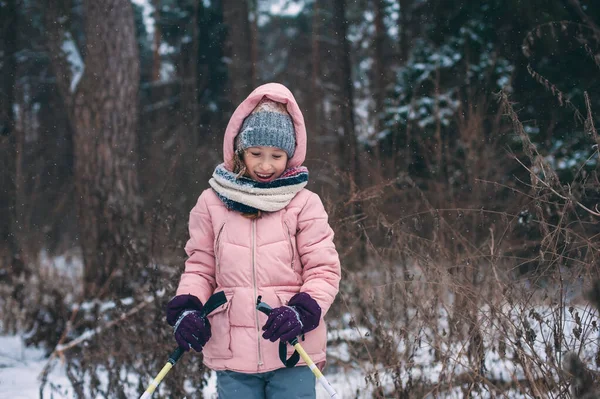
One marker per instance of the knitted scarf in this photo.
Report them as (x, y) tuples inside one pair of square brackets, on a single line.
[(249, 196)]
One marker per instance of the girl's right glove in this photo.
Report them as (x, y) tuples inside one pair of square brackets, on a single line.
[(192, 330)]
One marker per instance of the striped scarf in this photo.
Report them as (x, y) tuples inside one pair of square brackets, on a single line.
[(248, 196)]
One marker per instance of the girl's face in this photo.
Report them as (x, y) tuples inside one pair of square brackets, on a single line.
[(265, 164)]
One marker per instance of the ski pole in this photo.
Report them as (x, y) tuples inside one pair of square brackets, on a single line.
[(212, 303), (266, 309)]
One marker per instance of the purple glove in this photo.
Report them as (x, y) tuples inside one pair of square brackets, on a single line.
[(301, 315), (192, 330)]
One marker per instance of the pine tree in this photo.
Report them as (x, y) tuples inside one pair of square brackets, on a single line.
[(103, 114)]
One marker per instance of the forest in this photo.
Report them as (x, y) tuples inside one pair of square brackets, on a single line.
[(453, 143)]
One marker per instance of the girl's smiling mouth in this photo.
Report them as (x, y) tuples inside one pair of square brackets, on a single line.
[(264, 176)]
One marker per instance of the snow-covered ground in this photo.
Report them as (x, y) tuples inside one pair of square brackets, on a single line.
[(536, 323), (21, 366)]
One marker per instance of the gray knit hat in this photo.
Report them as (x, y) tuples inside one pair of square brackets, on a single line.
[(268, 125)]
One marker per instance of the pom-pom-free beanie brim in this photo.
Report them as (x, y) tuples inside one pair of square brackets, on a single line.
[(269, 129)]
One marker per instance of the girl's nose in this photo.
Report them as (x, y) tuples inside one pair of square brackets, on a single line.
[(265, 165)]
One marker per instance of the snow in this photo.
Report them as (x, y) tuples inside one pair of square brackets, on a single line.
[(75, 61), (21, 367), (147, 11), (286, 8), (536, 323), (277, 8)]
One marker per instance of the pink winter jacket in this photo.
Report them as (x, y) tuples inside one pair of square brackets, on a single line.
[(275, 256)]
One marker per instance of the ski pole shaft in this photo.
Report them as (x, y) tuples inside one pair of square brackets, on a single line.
[(167, 367)]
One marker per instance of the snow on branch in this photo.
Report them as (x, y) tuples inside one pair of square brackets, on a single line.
[(74, 59), (88, 334)]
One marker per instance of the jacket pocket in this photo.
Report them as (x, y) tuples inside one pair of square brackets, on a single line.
[(219, 345), (217, 247), (284, 297), (291, 242)]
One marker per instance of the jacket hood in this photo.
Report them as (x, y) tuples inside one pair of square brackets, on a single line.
[(276, 92)]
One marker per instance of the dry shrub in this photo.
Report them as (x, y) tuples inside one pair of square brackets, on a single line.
[(110, 346), (469, 275), (461, 275)]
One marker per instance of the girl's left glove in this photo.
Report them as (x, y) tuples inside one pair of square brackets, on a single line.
[(192, 330), (301, 315)]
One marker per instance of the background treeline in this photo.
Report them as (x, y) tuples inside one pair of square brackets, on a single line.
[(453, 142)]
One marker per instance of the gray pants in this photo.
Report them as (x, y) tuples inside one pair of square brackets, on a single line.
[(288, 383)]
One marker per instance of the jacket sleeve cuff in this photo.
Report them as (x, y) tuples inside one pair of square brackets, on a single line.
[(308, 309), (179, 304)]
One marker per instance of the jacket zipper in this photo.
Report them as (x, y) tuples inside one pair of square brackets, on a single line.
[(291, 243), (260, 363), (217, 242)]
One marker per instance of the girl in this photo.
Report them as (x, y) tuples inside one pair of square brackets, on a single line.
[(258, 231)]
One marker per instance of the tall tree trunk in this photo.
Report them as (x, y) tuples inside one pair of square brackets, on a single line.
[(404, 22), (379, 78), (10, 255), (238, 48), (345, 93), (401, 157), (254, 40), (315, 81), (156, 40), (189, 78), (188, 131), (104, 117), (348, 143)]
